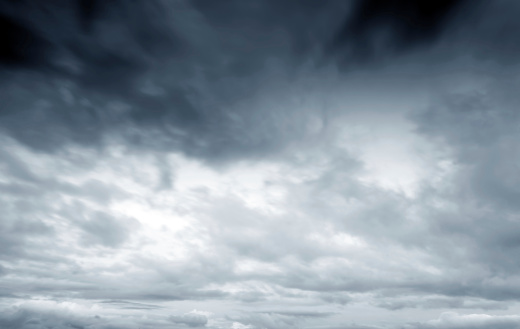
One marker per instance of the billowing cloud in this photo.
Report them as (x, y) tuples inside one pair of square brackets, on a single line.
[(259, 164)]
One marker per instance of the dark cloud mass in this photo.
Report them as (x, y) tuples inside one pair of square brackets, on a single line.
[(21, 47), (155, 60), (188, 75), (260, 164), (388, 26)]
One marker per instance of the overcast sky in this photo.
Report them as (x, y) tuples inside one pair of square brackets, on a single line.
[(259, 164)]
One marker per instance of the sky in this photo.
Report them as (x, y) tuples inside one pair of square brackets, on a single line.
[(259, 164)]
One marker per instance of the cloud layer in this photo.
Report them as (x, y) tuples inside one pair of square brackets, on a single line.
[(247, 165)]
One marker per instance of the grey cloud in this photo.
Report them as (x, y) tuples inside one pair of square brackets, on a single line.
[(100, 98), (25, 225), (61, 317), (336, 298), (250, 296), (440, 303), (484, 321), (477, 127), (269, 321), (353, 326), (106, 230), (303, 314), (279, 319), (28, 319), (131, 305), (235, 239), (190, 319)]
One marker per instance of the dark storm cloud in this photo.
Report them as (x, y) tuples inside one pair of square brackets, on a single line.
[(193, 76), (378, 28), (21, 46), (73, 28), (173, 68)]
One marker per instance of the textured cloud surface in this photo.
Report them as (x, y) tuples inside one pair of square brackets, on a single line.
[(259, 164)]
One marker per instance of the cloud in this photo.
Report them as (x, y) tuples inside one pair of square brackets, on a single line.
[(190, 319), (454, 320), (381, 28), (433, 302), (51, 314), (237, 81), (151, 83), (477, 128), (269, 320), (106, 230), (278, 164)]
